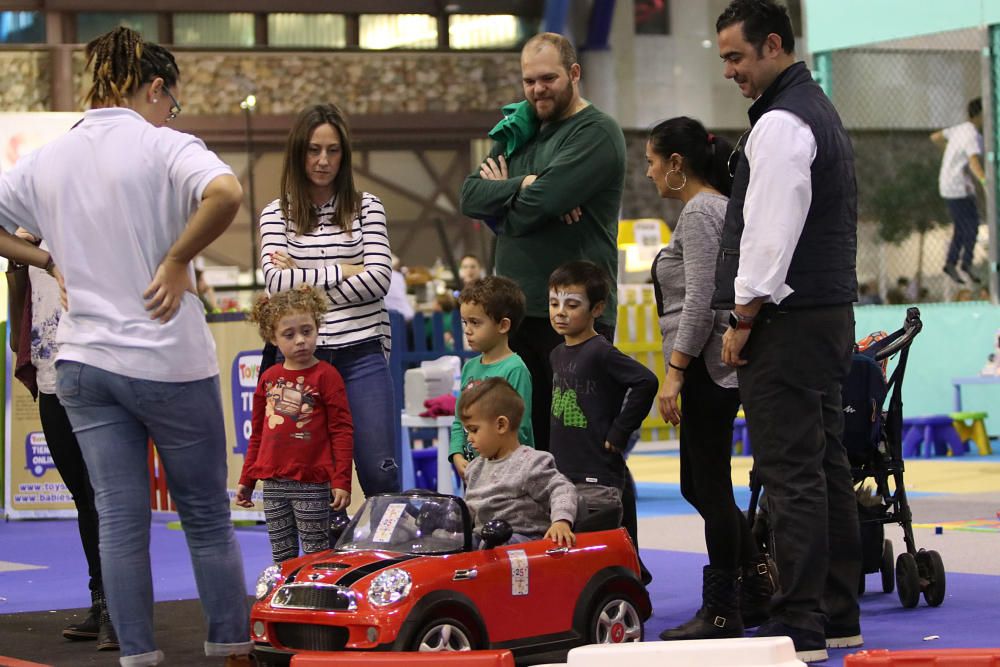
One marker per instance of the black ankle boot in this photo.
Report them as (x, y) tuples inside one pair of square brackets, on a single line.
[(719, 616), (107, 638), (91, 624), (756, 588)]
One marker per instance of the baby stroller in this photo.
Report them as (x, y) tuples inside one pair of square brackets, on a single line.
[(873, 438)]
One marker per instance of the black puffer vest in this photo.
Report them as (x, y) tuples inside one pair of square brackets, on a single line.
[(822, 271)]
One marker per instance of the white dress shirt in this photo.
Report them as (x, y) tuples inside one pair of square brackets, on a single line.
[(781, 149)]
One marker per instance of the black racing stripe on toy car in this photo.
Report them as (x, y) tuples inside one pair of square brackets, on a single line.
[(352, 577), (291, 575)]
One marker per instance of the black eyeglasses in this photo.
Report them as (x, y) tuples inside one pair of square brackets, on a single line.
[(734, 157), (175, 106)]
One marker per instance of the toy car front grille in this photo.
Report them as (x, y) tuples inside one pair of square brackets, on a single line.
[(303, 637), (311, 595)]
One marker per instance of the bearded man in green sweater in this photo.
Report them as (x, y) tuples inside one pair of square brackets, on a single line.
[(552, 192)]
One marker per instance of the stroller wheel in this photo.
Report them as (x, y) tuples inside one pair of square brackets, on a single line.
[(932, 568), (907, 580), (888, 568)]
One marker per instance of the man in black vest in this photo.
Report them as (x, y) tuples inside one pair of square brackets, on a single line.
[(786, 269)]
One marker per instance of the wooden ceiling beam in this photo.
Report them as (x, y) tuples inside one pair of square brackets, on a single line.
[(228, 132)]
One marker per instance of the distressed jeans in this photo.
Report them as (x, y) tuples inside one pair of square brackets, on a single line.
[(113, 417), (369, 393)]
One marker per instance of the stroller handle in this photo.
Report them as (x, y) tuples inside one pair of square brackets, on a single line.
[(902, 338)]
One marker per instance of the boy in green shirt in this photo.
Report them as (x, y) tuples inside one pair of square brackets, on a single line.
[(491, 308)]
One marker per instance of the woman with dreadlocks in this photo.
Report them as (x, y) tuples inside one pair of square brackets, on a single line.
[(124, 204)]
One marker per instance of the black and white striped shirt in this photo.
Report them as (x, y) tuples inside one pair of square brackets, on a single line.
[(357, 310)]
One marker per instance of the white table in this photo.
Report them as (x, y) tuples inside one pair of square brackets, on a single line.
[(442, 440)]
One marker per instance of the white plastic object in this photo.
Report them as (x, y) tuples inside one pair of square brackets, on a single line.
[(743, 652)]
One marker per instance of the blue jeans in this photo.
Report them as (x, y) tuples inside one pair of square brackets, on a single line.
[(369, 393), (113, 416)]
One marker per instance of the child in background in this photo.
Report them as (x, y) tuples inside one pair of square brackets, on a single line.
[(303, 440), (492, 308), (599, 395), (469, 271), (508, 481)]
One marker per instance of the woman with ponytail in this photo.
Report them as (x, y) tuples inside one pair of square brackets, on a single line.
[(690, 164), (124, 204)]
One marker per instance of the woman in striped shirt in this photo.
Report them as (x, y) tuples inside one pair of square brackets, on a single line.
[(323, 232)]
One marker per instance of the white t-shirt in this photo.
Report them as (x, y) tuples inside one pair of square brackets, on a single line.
[(110, 197), (955, 179)]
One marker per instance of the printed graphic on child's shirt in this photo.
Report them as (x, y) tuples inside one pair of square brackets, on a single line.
[(564, 404), (292, 400)]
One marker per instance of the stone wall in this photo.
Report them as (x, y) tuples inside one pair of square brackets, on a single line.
[(26, 80), (362, 83)]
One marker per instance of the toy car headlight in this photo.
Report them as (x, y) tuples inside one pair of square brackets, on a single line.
[(389, 586), (267, 581)]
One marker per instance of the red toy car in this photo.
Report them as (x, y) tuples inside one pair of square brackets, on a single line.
[(404, 576)]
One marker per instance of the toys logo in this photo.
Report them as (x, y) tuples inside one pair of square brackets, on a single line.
[(246, 369), (36, 454)]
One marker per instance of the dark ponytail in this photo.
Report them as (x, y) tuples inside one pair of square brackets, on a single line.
[(706, 156), (122, 62)]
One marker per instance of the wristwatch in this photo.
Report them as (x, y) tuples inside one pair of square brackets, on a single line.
[(737, 321)]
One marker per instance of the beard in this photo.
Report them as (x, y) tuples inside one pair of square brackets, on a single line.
[(561, 102)]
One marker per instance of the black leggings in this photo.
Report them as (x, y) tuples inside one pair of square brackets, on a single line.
[(69, 462), (707, 413)]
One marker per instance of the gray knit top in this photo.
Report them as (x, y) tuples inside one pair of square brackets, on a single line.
[(524, 489), (685, 271)]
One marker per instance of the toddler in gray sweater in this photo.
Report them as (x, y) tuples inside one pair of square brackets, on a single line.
[(508, 481)]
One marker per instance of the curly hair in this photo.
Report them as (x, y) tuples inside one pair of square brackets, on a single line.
[(122, 62), (499, 297), (267, 311)]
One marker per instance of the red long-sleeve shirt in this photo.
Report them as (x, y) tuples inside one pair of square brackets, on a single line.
[(302, 428)]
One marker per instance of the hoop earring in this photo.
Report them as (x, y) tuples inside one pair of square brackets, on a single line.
[(683, 182)]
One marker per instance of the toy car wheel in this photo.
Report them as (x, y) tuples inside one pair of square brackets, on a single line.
[(907, 580), (443, 634), (615, 621), (932, 567), (887, 569)]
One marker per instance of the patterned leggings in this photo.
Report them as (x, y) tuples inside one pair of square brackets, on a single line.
[(296, 509)]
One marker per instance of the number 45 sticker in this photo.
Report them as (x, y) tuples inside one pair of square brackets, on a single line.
[(518, 572)]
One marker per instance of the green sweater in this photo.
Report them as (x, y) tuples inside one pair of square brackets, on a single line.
[(579, 161), (513, 370)]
